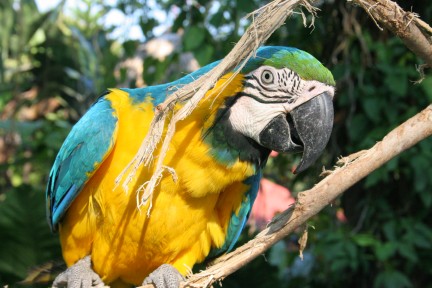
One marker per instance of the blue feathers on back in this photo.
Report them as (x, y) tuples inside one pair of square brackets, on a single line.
[(78, 158), (160, 92)]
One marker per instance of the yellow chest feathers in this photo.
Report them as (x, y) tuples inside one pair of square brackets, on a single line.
[(188, 216)]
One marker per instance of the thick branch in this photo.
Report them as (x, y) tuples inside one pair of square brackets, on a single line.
[(310, 202), (406, 25)]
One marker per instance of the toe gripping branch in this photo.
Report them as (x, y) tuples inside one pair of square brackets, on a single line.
[(79, 275), (166, 276)]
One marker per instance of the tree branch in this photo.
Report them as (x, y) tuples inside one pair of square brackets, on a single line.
[(354, 168), (416, 34)]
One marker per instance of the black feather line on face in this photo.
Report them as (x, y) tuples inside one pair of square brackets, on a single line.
[(285, 99), (263, 86), (251, 85), (261, 92), (283, 79), (285, 96)]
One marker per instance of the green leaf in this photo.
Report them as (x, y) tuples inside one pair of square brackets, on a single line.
[(245, 5), (392, 279), (358, 127), (374, 178), (193, 37), (407, 251), (425, 195), (24, 128), (397, 83), (372, 108), (426, 86), (4, 98), (392, 164), (22, 218), (384, 251), (339, 264), (204, 54), (351, 249), (390, 230), (365, 240), (38, 24), (422, 235)]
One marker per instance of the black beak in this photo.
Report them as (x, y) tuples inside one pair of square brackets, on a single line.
[(306, 129)]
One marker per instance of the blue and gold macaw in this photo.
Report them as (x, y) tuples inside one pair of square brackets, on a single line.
[(280, 100)]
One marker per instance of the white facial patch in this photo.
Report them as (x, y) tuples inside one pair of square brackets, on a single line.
[(250, 117), (269, 92)]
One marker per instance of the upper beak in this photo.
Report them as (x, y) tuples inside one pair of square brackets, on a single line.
[(306, 129), (313, 122)]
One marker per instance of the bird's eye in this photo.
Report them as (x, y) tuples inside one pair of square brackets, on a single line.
[(267, 77)]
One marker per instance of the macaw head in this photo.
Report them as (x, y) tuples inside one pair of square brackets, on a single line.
[(285, 105)]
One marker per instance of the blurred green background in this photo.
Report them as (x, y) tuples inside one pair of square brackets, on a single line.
[(54, 63)]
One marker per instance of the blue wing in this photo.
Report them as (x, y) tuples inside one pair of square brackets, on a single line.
[(238, 221), (87, 145)]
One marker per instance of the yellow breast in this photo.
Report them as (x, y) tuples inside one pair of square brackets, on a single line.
[(188, 217)]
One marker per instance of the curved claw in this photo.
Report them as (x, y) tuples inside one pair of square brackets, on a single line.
[(79, 275), (165, 276)]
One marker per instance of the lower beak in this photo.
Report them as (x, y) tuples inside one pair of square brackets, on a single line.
[(305, 129)]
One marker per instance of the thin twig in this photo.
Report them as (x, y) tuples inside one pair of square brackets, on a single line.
[(421, 70)]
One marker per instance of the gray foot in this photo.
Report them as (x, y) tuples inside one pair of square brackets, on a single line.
[(79, 275), (166, 276)]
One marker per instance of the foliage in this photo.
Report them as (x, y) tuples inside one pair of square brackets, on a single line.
[(54, 62), (51, 69)]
